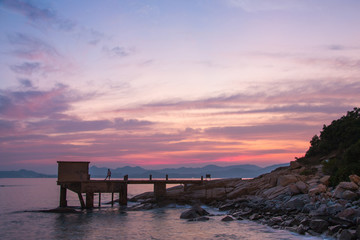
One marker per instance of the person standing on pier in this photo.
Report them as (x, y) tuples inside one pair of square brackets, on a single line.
[(108, 174)]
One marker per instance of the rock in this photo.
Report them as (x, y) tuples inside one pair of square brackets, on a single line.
[(348, 186), (349, 214), (347, 234), (325, 180), (274, 192), (334, 229), (294, 165), (301, 229), (59, 210), (319, 225), (254, 217), (227, 219), (227, 206), (335, 209), (321, 188), (286, 180), (358, 232), (349, 195), (199, 219), (297, 202), (302, 186), (294, 189), (275, 221), (338, 192), (194, 212), (355, 179)]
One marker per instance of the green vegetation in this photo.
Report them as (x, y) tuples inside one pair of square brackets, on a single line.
[(337, 147)]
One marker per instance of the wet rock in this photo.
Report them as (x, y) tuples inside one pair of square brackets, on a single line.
[(319, 225), (199, 219), (59, 210), (194, 212), (347, 234), (254, 216), (334, 229), (301, 229), (275, 221), (227, 219)]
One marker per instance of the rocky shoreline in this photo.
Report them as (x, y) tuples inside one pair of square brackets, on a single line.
[(296, 198)]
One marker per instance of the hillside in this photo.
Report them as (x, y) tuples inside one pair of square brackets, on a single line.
[(337, 148)]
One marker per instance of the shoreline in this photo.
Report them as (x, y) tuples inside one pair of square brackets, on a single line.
[(288, 198)]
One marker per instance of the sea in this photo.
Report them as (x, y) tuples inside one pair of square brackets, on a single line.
[(20, 198)]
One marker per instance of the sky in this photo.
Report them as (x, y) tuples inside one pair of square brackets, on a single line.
[(158, 83)]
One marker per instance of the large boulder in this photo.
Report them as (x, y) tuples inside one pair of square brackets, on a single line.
[(355, 179), (194, 212), (349, 195), (297, 202), (285, 180), (348, 186), (349, 214), (319, 225), (321, 188), (325, 180), (302, 186)]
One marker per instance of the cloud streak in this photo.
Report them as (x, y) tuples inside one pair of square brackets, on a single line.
[(38, 15)]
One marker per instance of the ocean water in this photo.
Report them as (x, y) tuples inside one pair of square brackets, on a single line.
[(19, 196)]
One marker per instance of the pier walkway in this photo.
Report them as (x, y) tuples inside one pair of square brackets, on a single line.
[(74, 176)]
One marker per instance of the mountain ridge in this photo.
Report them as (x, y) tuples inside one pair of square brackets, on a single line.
[(242, 171)]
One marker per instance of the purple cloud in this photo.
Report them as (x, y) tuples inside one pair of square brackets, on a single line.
[(33, 103), (37, 14), (26, 83), (32, 48), (27, 68)]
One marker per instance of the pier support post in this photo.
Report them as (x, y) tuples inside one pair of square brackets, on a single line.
[(112, 199), (160, 190), (123, 194), (89, 200), (99, 199), (63, 202), (81, 199)]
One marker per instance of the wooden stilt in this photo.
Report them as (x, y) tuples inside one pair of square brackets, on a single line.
[(89, 200), (81, 199), (112, 199), (63, 201), (123, 194), (99, 199), (160, 190)]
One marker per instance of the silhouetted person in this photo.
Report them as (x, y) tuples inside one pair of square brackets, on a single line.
[(108, 174)]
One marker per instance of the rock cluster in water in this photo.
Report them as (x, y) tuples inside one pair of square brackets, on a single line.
[(294, 198)]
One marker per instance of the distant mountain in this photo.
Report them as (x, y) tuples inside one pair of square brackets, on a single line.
[(235, 171), (24, 174)]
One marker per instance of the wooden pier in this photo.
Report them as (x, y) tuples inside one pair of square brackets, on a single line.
[(74, 176)]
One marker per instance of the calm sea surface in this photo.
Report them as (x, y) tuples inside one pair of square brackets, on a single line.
[(20, 195)]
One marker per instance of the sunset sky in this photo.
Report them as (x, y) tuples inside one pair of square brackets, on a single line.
[(172, 83)]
